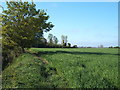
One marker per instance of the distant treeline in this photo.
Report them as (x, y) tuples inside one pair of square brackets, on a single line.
[(52, 42), (52, 46), (101, 47), (114, 47)]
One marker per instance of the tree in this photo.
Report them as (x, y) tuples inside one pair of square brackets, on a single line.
[(74, 46), (101, 46), (55, 40), (41, 42), (50, 38), (62, 37), (69, 45), (64, 40), (23, 24), (0, 30)]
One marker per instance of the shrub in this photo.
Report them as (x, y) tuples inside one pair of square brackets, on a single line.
[(75, 46)]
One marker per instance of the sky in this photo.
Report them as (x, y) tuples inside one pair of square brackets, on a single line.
[(85, 23), (66, 0)]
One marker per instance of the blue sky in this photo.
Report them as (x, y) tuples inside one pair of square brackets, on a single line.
[(85, 23)]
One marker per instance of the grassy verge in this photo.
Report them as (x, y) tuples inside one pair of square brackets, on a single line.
[(28, 72)]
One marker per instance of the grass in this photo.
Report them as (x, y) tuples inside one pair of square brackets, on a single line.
[(68, 68)]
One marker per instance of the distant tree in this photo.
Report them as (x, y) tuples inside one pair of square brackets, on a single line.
[(111, 47), (74, 46), (64, 40), (116, 47), (55, 40), (101, 46), (50, 38), (89, 47), (69, 45)]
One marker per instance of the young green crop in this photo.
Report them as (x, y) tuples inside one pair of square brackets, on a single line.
[(67, 68)]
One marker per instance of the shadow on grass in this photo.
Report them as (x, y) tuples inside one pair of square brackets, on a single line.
[(69, 52)]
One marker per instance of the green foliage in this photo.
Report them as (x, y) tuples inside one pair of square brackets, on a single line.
[(0, 25), (50, 37), (55, 40), (67, 68), (0, 42), (74, 46), (41, 42), (52, 40), (69, 45), (23, 24)]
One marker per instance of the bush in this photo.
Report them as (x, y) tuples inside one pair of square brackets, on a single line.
[(117, 47), (75, 46), (9, 54)]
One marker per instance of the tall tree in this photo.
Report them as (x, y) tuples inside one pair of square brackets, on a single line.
[(50, 38), (62, 37), (55, 40), (69, 45), (64, 40), (23, 24)]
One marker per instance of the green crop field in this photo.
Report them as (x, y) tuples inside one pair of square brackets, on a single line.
[(65, 68)]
